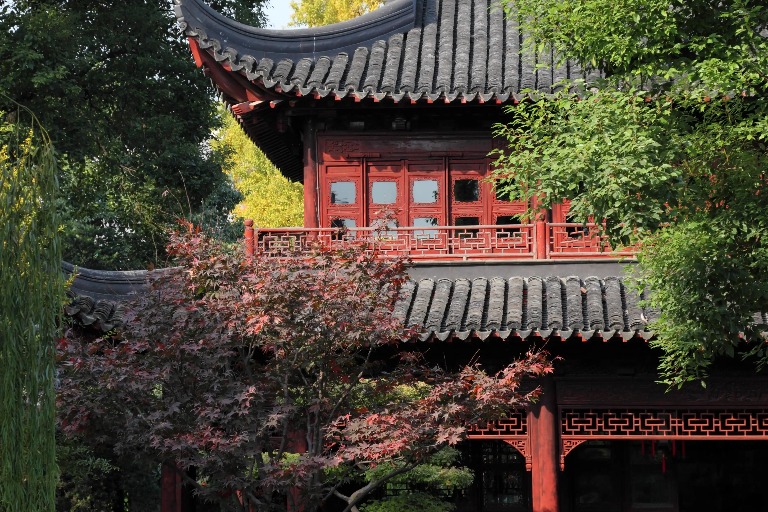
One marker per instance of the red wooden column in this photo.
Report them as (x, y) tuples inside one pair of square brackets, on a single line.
[(542, 424), (541, 232), (249, 238), (311, 205), (170, 489), (297, 443)]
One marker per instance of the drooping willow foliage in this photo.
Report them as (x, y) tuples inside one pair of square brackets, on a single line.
[(31, 289)]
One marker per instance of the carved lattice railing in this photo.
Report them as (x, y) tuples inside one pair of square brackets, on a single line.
[(519, 241)]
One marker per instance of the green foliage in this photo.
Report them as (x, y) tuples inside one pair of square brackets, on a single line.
[(128, 113), (31, 295), (670, 150), (427, 484), (411, 502), (315, 13), (681, 44), (439, 474), (268, 197), (93, 479), (84, 483)]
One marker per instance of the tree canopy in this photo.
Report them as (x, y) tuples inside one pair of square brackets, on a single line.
[(669, 149), (278, 377), (128, 114), (315, 13)]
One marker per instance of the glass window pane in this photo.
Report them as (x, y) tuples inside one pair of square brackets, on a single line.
[(383, 192), (420, 222), (466, 191), (343, 223), (425, 191), (505, 220), (343, 192), (466, 221)]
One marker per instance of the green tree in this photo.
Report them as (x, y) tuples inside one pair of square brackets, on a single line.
[(315, 13), (669, 149), (31, 295), (128, 113), (269, 198)]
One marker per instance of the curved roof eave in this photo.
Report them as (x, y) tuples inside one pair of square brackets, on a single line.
[(197, 19)]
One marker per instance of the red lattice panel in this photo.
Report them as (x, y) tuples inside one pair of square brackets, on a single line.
[(516, 425), (665, 423)]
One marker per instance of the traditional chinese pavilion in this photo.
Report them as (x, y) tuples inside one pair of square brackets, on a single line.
[(394, 111)]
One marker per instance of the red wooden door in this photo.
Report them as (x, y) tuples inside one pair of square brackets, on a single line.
[(469, 207), (427, 206)]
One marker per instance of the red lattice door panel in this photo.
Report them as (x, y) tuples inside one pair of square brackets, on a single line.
[(427, 205), (469, 207), (342, 196), (386, 193)]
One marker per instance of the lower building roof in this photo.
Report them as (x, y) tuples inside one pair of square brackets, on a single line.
[(506, 307)]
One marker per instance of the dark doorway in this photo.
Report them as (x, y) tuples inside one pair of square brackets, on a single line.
[(665, 476)]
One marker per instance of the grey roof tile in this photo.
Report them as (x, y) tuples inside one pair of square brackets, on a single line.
[(495, 309), (356, 69), (320, 72), (421, 302), (410, 60), (535, 312), (595, 316), (392, 63), (449, 49), (476, 308), (440, 301), (515, 303), (458, 305), (337, 70), (574, 303), (554, 301), (614, 304)]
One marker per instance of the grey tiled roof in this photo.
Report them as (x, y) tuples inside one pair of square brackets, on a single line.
[(512, 307), (410, 50), (97, 297), (520, 307)]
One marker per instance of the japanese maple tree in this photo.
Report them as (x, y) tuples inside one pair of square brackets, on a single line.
[(278, 379)]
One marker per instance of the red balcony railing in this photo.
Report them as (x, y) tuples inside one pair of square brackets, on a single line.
[(486, 242)]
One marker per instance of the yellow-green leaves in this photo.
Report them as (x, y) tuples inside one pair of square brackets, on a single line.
[(314, 13), (270, 199)]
